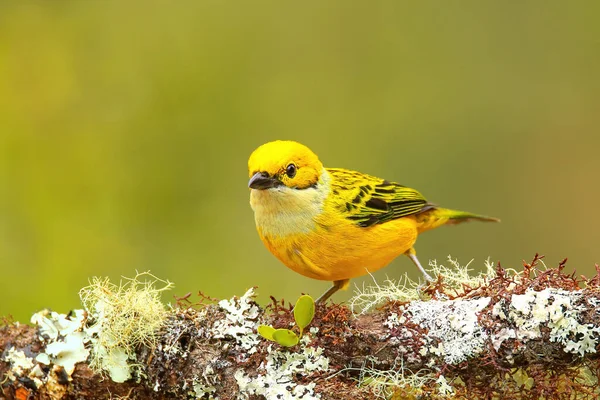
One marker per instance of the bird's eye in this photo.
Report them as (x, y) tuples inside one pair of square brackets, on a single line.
[(290, 171)]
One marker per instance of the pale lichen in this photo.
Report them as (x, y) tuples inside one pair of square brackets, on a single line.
[(393, 320), (122, 317), (553, 308), (240, 322), (444, 388), (65, 338), (275, 379), (202, 390), (52, 324), (65, 346), (452, 326), (116, 320), (20, 364), (69, 351), (204, 385)]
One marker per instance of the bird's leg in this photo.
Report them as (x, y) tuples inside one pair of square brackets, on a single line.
[(337, 285), (412, 254)]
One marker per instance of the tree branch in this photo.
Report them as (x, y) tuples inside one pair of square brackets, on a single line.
[(511, 335)]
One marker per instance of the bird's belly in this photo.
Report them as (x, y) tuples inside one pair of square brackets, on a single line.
[(343, 251)]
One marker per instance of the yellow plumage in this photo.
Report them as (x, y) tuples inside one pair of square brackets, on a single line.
[(334, 224)]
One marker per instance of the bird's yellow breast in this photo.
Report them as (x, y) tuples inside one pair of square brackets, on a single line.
[(305, 232)]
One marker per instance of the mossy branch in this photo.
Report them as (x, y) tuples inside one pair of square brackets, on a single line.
[(505, 334)]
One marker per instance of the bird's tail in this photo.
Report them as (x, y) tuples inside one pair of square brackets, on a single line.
[(435, 217)]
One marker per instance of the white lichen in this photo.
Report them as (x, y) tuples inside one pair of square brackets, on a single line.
[(453, 330), (43, 358), (394, 321), (68, 351), (558, 310), (444, 388), (203, 391), (65, 338), (205, 385), (52, 324), (498, 310), (20, 364), (65, 346), (23, 366), (115, 361), (240, 322), (275, 379), (499, 337)]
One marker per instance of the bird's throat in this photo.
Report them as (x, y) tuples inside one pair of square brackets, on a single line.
[(283, 211)]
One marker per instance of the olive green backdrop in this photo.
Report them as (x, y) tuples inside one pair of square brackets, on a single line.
[(125, 129)]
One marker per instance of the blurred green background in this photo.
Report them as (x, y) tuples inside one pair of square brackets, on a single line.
[(125, 129)]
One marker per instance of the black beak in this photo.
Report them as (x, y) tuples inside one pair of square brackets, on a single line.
[(261, 181)]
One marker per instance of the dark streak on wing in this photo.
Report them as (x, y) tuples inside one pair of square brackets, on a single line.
[(369, 204), (377, 204), (380, 190)]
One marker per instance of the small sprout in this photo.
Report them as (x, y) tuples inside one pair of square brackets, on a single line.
[(285, 337), (266, 331), (304, 311)]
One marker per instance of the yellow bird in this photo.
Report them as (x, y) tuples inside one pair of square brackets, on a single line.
[(334, 224)]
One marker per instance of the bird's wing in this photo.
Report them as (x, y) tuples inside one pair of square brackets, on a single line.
[(368, 200)]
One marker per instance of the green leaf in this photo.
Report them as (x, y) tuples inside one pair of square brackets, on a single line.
[(285, 337), (266, 331), (304, 311)]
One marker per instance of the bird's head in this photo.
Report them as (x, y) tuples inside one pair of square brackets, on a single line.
[(283, 163)]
